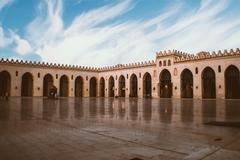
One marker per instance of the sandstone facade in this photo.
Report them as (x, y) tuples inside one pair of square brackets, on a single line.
[(172, 74)]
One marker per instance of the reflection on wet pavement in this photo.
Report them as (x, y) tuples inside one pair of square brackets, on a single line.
[(107, 128)]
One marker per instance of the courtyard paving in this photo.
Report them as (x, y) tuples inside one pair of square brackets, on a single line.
[(119, 129)]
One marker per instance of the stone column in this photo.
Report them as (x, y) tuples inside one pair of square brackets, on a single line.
[(16, 81), (197, 84), (116, 85), (56, 82), (220, 85), (154, 84), (140, 85), (127, 85), (37, 84), (85, 86), (71, 85)]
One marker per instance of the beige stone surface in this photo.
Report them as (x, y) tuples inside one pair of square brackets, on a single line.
[(176, 63)]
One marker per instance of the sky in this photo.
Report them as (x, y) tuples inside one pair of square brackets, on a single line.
[(109, 32)]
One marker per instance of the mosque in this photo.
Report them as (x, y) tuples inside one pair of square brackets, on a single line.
[(173, 74)]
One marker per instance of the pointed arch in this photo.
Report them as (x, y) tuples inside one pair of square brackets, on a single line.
[(133, 86), (232, 82), (186, 84), (78, 86), (102, 87), (208, 83), (111, 87), (64, 86), (93, 87), (27, 84), (47, 84), (147, 85), (5, 83), (165, 84), (121, 86)]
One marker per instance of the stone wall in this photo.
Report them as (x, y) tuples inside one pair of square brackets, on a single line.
[(173, 61)]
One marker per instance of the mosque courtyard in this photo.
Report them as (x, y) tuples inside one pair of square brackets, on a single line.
[(118, 129)]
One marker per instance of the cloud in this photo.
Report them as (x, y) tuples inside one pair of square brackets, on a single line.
[(94, 39), (22, 45), (4, 40), (45, 29), (4, 3)]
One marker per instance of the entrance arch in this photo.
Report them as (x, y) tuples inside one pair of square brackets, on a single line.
[(79, 86), (186, 84), (232, 83), (64, 86), (133, 86), (147, 85), (5, 81), (121, 86), (27, 84), (102, 87), (165, 84), (93, 87), (111, 87), (208, 83), (47, 84)]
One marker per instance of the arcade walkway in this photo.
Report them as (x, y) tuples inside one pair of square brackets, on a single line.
[(118, 129)]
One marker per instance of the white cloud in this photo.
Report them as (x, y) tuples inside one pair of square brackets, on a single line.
[(4, 41), (22, 45), (84, 42), (4, 3), (45, 29)]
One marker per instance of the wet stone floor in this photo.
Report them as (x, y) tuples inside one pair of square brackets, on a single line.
[(119, 129)]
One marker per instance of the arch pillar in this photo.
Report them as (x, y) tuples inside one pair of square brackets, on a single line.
[(15, 84), (56, 82), (155, 85), (220, 85), (85, 87), (116, 85), (37, 84), (71, 87), (106, 87), (127, 86), (140, 85), (176, 85), (197, 85)]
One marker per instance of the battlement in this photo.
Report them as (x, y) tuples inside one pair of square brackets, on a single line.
[(127, 66), (183, 57), (47, 65)]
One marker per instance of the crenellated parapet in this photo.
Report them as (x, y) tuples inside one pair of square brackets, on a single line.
[(128, 66), (47, 65), (168, 53), (206, 55)]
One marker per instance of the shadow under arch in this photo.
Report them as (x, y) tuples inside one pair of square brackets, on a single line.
[(208, 83), (93, 87), (121, 86), (186, 84), (79, 86), (47, 84), (165, 84), (5, 83), (111, 87), (27, 84), (147, 85), (102, 87), (232, 82), (133, 86), (64, 86)]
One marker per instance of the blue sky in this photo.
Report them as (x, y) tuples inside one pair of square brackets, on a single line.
[(109, 32)]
